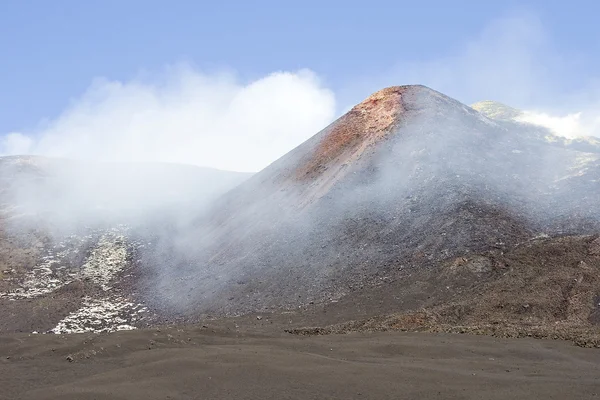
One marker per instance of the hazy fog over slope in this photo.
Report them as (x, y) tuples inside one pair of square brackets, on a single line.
[(406, 179), (74, 194)]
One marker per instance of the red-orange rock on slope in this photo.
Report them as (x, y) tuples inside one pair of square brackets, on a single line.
[(362, 126), (309, 171)]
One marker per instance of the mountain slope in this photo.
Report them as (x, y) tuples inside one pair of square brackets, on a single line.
[(406, 180)]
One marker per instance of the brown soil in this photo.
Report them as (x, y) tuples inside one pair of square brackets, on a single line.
[(545, 288), (212, 362)]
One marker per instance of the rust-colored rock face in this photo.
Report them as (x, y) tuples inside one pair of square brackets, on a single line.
[(365, 124)]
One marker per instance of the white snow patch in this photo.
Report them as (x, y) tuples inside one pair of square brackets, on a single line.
[(104, 315), (106, 260)]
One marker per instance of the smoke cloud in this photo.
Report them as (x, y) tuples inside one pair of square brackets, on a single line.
[(570, 126), (186, 116)]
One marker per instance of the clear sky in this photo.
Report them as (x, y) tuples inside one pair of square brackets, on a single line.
[(69, 69)]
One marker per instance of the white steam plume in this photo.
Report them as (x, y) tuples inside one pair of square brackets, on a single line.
[(570, 126), (188, 117)]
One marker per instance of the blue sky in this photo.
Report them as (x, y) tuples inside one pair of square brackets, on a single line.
[(55, 56)]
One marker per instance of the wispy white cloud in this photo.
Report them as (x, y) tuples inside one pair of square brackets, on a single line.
[(567, 125), (186, 117), (15, 143)]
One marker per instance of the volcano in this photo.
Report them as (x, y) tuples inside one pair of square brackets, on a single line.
[(405, 185), (412, 208)]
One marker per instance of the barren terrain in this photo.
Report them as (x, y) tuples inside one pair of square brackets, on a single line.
[(392, 255), (193, 363)]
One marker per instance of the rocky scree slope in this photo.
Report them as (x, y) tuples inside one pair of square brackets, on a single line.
[(406, 182)]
